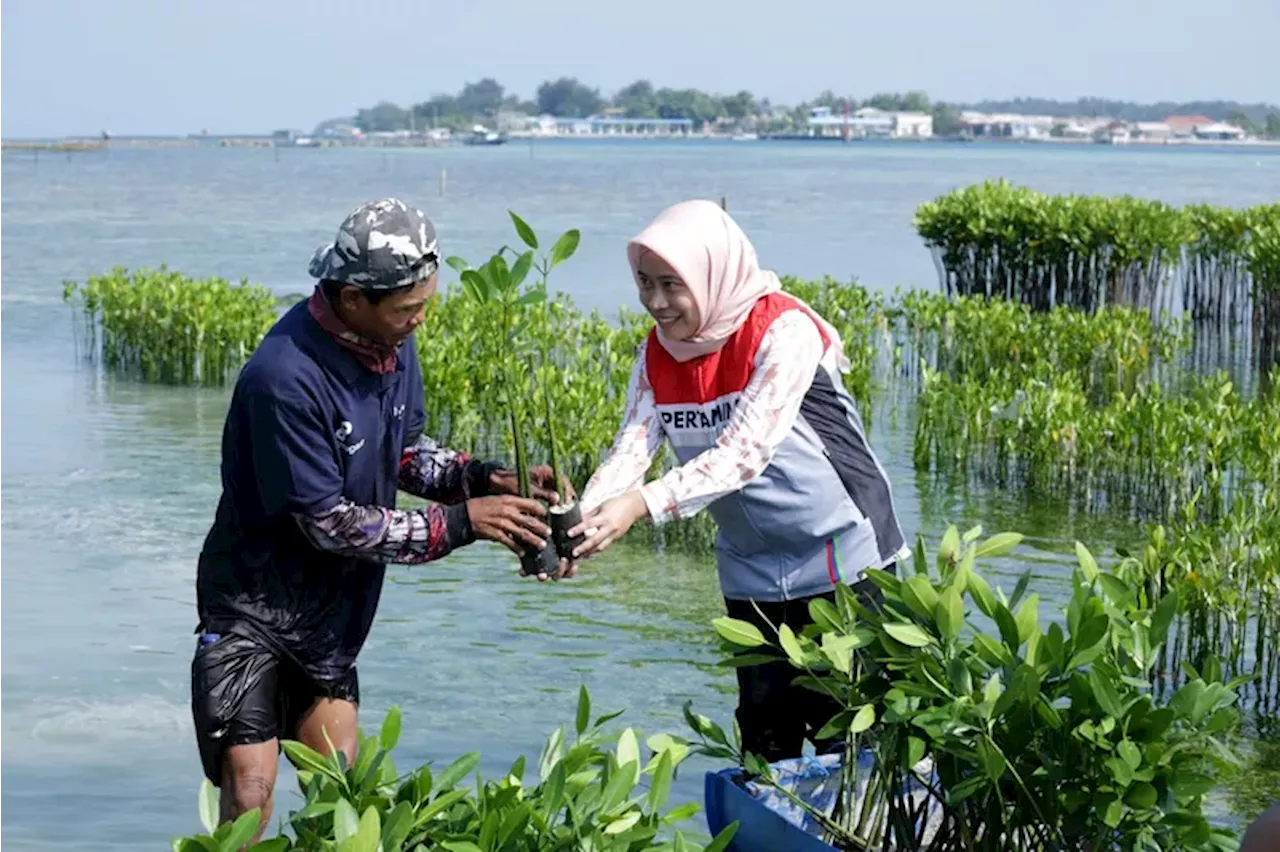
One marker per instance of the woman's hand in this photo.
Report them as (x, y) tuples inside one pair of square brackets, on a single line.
[(608, 522)]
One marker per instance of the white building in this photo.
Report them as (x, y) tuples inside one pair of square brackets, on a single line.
[(1079, 128), (1151, 131), (1219, 131), (1115, 133), (870, 122), (600, 125), (1006, 125)]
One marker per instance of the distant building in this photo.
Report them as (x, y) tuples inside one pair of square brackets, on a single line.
[(1079, 128), (510, 121), (1113, 133), (602, 125), (340, 131), (1006, 125), (1219, 131), (1151, 131), (870, 122), (1184, 126)]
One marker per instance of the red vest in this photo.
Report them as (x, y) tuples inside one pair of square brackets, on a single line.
[(722, 373)]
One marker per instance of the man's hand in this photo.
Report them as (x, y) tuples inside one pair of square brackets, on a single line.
[(541, 481), (608, 522), (568, 570), (511, 521)]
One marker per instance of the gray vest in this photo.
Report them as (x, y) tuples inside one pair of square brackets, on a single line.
[(821, 513)]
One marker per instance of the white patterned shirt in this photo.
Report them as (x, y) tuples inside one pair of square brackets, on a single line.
[(786, 362)]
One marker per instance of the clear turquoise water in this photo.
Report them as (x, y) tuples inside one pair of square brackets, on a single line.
[(107, 487)]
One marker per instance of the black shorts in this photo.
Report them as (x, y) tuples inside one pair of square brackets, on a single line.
[(243, 692)]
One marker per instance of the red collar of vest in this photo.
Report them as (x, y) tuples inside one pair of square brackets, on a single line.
[(726, 371)]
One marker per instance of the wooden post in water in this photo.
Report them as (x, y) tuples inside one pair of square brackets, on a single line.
[(444, 179), (724, 203)]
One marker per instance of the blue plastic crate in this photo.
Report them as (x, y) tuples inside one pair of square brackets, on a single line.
[(759, 829)]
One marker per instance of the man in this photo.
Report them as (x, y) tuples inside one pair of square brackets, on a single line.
[(325, 424), (1263, 834)]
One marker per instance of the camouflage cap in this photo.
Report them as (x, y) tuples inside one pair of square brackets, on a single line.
[(381, 245)]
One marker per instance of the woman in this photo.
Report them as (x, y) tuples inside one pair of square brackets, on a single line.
[(744, 382)]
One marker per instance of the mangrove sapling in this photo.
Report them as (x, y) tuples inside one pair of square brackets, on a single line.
[(567, 512), (496, 288), (1036, 738), (590, 788), (533, 561)]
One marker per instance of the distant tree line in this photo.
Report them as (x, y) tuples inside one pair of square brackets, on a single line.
[(567, 97)]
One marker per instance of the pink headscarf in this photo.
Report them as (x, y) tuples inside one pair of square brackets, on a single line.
[(717, 262)]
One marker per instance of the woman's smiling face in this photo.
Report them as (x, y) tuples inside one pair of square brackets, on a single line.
[(665, 296)]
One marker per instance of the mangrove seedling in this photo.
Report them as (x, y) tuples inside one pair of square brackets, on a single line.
[(566, 513), (495, 288)]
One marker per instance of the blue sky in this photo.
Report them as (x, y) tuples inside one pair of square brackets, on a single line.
[(178, 66)]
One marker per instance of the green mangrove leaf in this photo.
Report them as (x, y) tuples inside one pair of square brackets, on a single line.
[(583, 716), (1163, 616), (680, 813), (739, 632), (825, 615), (660, 786), (948, 549), (520, 269), (304, 757), (1087, 563), (623, 823), (565, 247), (960, 677), (982, 595), (722, 840), (389, 734), (242, 830), (628, 748), (346, 822), (1141, 796), (787, 639), (999, 544), (908, 634), (1027, 619), (458, 770), (863, 719), (210, 804), (1105, 694), (1120, 592), (949, 614), (527, 236), (919, 595), (1129, 753)]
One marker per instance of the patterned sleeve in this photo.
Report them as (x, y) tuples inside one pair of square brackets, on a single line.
[(634, 446), (389, 535), (786, 362), (432, 472)]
